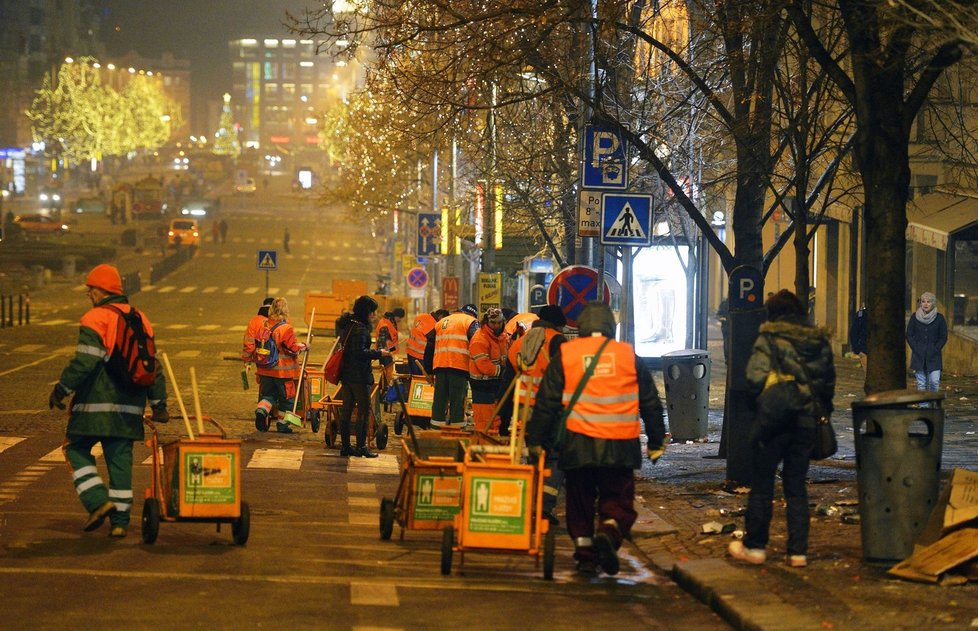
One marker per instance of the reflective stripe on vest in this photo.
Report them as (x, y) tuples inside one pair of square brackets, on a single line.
[(452, 342), (486, 346), (608, 405), (419, 335)]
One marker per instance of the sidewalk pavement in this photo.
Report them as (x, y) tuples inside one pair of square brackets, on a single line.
[(837, 590)]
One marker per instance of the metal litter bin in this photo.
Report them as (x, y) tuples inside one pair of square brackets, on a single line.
[(899, 435), (69, 266), (37, 276), (686, 375)]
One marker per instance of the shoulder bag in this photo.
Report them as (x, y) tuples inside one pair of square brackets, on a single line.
[(334, 363)]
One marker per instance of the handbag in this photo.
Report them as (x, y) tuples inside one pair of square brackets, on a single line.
[(826, 443), (334, 363)]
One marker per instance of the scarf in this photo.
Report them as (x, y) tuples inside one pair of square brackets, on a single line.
[(927, 318)]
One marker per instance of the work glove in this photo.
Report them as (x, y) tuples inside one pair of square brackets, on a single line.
[(160, 414), (303, 346), (56, 400), (655, 453)]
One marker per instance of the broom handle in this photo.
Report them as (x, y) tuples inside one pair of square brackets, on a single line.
[(193, 390), (305, 357), (176, 392)]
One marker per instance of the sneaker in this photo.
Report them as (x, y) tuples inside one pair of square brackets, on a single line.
[(261, 422), (118, 532), (283, 428), (587, 567), (797, 560), (607, 556), (363, 452), (737, 550), (97, 516)]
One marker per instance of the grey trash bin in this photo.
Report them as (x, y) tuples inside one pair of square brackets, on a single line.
[(68, 266), (899, 435), (37, 276), (686, 375)]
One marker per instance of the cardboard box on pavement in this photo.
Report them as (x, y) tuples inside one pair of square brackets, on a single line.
[(957, 505)]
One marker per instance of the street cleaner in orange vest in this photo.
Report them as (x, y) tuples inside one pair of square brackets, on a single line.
[(592, 401), (278, 381), (250, 338), (450, 361), (528, 359), (487, 354), (387, 340), (422, 337), (105, 408)]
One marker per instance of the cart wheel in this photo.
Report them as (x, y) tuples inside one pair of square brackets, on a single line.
[(314, 420), (399, 423), (241, 526), (386, 518), (447, 541), (151, 520), (549, 548), (382, 434)]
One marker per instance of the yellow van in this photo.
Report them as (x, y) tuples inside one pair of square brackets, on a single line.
[(184, 232)]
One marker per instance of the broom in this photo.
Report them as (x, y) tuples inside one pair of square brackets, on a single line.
[(292, 417)]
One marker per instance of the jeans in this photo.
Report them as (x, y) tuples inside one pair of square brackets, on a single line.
[(792, 447), (928, 380)]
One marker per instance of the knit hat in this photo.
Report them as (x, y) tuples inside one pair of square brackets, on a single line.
[(105, 277), (554, 315), (263, 309), (470, 309), (596, 317)]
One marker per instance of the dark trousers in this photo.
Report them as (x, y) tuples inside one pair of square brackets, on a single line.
[(357, 394), (792, 448), (448, 403), (612, 489)]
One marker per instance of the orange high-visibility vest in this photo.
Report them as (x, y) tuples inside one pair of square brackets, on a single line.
[(526, 319), (419, 335), (486, 353), (608, 405), (251, 336), (288, 364), (532, 374), (391, 331), (105, 322), (452, 342)]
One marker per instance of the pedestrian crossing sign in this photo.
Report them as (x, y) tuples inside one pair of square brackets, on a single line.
[(268, 260), (626, 219)]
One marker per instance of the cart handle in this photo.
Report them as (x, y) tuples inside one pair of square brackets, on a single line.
[(204, 419)]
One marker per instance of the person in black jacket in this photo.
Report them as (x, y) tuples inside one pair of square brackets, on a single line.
[(803, 353), (859, 335), (356, 375), (927, 335)]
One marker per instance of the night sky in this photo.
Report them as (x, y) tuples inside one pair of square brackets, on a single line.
[(198, 30)]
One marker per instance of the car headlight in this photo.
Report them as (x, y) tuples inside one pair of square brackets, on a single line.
[(170, 233), (184, 212), (43, 197), (56, 197)]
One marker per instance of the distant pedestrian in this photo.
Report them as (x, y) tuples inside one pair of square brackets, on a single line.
[(285, 241), (223, 226), (102, 409), (593, 399), (927, 335), (859, 335), (216, 232), (803, 352)]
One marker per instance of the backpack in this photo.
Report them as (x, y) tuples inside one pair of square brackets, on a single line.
[(266, 349), (132, 360)]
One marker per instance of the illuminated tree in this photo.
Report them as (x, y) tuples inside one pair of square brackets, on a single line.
[(226, 141), (149, 113)]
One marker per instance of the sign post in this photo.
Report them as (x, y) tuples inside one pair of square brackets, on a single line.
[(268, 261)]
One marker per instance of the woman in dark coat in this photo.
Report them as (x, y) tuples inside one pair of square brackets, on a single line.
[(927, 335), (804, 353), (356, 375)]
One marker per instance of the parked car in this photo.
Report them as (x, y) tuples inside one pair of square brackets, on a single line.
[(199, 207), (90, 205), (184, 232), (40, 224), (247, 187)]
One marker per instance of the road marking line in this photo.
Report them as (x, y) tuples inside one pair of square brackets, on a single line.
[(187, 354), (209, 290), (365, 594), (208, 327), (273, 290), (226, 255), (55, 322), (238, 327), (276, 459), (385, 464), (148, 288), (250, 290), (188, 290), (58, 456), (292, 292), (363, 520), (361, 487), (176, 327), (6, 442), (167, 289), (365, 502), (33, 363), (230, 290), (28, 348)]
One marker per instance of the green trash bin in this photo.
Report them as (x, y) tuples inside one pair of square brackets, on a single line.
[(899, 435)]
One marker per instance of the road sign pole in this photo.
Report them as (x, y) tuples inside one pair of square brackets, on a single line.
[(266, 283)]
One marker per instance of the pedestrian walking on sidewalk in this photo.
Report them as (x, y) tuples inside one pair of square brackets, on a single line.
[(356, 375), (589, 403), (859, 335), (804, 355), (927, 335), (103, 409)]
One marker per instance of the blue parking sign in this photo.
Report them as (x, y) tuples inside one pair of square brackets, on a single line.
[(605, 159)]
